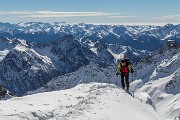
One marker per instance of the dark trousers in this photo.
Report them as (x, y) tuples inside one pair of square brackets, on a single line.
[(126, 79)]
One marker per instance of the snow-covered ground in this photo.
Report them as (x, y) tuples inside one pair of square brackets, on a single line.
[(167, 104), (94, 101), (159, 78)]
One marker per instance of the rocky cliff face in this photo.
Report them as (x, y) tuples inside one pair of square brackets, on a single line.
[(21, 71)]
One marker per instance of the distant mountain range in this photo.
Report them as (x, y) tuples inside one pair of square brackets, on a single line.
[(139, 37)]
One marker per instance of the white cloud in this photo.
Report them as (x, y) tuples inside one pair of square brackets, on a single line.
[(16, 12), (54, 14), (68, 14), (169, 17), (122, 16)]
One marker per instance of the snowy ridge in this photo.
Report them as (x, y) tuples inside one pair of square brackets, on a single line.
[(113, 53), (158, 77), (93, 101), (86, 74)]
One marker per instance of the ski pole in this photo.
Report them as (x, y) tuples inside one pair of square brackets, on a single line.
[(132, 83), (116, 79)]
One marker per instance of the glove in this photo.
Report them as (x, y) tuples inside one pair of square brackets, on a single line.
[(117, 74), (132, 70)]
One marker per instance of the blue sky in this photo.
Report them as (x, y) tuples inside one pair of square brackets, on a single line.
[(155, 12)]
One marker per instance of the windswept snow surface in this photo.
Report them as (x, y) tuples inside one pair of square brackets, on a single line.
[(159, 79), (94, 101)]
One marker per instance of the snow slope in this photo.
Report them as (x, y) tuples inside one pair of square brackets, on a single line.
[(85, 74), (159, 77), (92, 101)]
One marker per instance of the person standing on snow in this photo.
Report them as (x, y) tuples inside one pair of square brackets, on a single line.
[(124, 68)]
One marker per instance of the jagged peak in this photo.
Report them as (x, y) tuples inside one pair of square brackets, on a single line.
[(65, 38), (170, 44), (169, 25)]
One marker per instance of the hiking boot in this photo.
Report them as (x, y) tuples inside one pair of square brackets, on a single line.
[(127, 88)]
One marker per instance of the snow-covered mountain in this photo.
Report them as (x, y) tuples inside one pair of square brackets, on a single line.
[(139, 37), (26, 66), (86, 74), (156, 78), (23, 69), (69, 55), (93, 101), (159, 77)]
